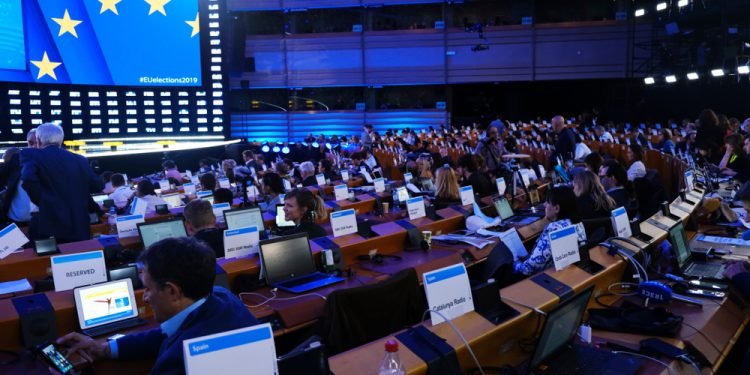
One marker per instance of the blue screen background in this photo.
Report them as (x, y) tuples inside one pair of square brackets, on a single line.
[(110, 49)]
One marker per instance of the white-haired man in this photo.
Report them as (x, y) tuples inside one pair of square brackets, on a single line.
[(307, 173)]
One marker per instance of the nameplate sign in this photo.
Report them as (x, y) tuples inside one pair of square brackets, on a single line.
[(204, 194), (416, 208), (195, 180), (343, 222), (189, 188), (689, 181), (252, 192), (228, 353), (341, 192), (138, 206), (164, 185), (320, 179), (224, 183), (621, 223), (11, 239), (219, 209), (448, 292), (379, 185), (564, 247), (189, 173), (241, 242), (287, 185), (407, 177), (467, 195), (501, 186), (127, 226), (345, 175), (74, 270), (364, 172)]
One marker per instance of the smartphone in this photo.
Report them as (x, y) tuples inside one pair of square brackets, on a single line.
[(705, 293), (46, 246), (703, 284), (54, 358)]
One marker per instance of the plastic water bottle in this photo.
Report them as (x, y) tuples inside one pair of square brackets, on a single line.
[(391, 364), (112, 220)]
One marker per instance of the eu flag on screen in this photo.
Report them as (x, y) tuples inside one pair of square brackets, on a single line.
[(101, 42)]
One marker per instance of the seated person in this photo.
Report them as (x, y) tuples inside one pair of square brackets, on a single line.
[(635, 156), (122, 193), (358, 160), (615, 181), (735, 162), (560, 211), (200, 223), (106, 176), (178, 277), (208, 181), (469, 170), (273, 186), (145, 191), (223, 195), (170, 171), (228, 166), (593, 162), (304, 209), (307, 174), (592, 200), (446, 188), (326, 168)]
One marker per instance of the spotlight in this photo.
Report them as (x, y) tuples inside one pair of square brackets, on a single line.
[(661, 6), (285, 150), (717, 72), (743, 69), (671, 79), (640, 12), (265, 148), (276, 149), (692, 76), (328, 146), (649, 80), (682, 3), (316, 144)]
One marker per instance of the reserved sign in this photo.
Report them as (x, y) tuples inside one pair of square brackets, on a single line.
[(74, 270)]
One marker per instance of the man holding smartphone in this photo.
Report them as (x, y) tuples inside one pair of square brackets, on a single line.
[(178, 277)]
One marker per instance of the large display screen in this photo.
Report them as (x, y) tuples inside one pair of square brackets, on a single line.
[(101, 42)]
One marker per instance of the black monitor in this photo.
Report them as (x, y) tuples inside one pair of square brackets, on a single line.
[(680, 244), (560, 327), (157, 231), (286, 257), (126, 272)]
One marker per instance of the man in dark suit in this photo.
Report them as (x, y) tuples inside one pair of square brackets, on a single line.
[(59, 183), (565, 147), (200, 223), (178, 277)]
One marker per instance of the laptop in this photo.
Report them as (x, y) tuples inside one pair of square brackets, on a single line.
[(156, 231), (173, 200), (281, 222), (126, 272), (245, 217), (289, 265), (99, 198), (555, 353), (488, 304), (506, 213), (107, 307), (685, 263), (206, 195)]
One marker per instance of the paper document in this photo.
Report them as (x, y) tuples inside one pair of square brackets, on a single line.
[(15, 286)]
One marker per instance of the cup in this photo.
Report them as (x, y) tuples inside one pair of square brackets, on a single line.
[(386, 207)]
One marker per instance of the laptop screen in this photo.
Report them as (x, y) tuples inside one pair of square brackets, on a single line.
[(679, 241), (105, 303), (281, 217), (99, 198), (154, 232), (503, 208), (173, 200), (122, 273), (403, 194), (244, 218), (286, 257), (560, 327)]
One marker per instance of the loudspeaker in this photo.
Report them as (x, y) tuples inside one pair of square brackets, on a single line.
[(414, 238), (431, 213), (37, 318), (364, 228)]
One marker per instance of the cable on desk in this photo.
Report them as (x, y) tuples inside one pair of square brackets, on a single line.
[(646, 357), (704, 336), (274, 298), (468, 347)]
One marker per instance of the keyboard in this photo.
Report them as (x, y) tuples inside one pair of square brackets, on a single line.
[(113, 327), (706, 270), (302, 280), (309, 282), (583, 360)]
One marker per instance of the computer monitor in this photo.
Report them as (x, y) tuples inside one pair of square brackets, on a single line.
[(105, 303), (154, 232), (173, 200), (560, 327), (281, 221), (680, 244), (286, 257), (503, 208), (244, 217), (126, 272)]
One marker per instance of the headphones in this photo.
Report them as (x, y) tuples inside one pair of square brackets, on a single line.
[(378, 258)]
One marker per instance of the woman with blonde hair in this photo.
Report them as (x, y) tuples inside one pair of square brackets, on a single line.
[(446, 188), (592, 199)]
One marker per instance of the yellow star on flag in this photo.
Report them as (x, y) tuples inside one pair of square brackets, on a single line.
[(109, 5), (67, 25), (46, 67), (157, 6), (195, 25)]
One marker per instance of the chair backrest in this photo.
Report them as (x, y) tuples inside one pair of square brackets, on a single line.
[(598, 229), (498, 265), (356, 316)]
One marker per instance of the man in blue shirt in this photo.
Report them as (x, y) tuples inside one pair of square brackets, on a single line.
[(178, 276)]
